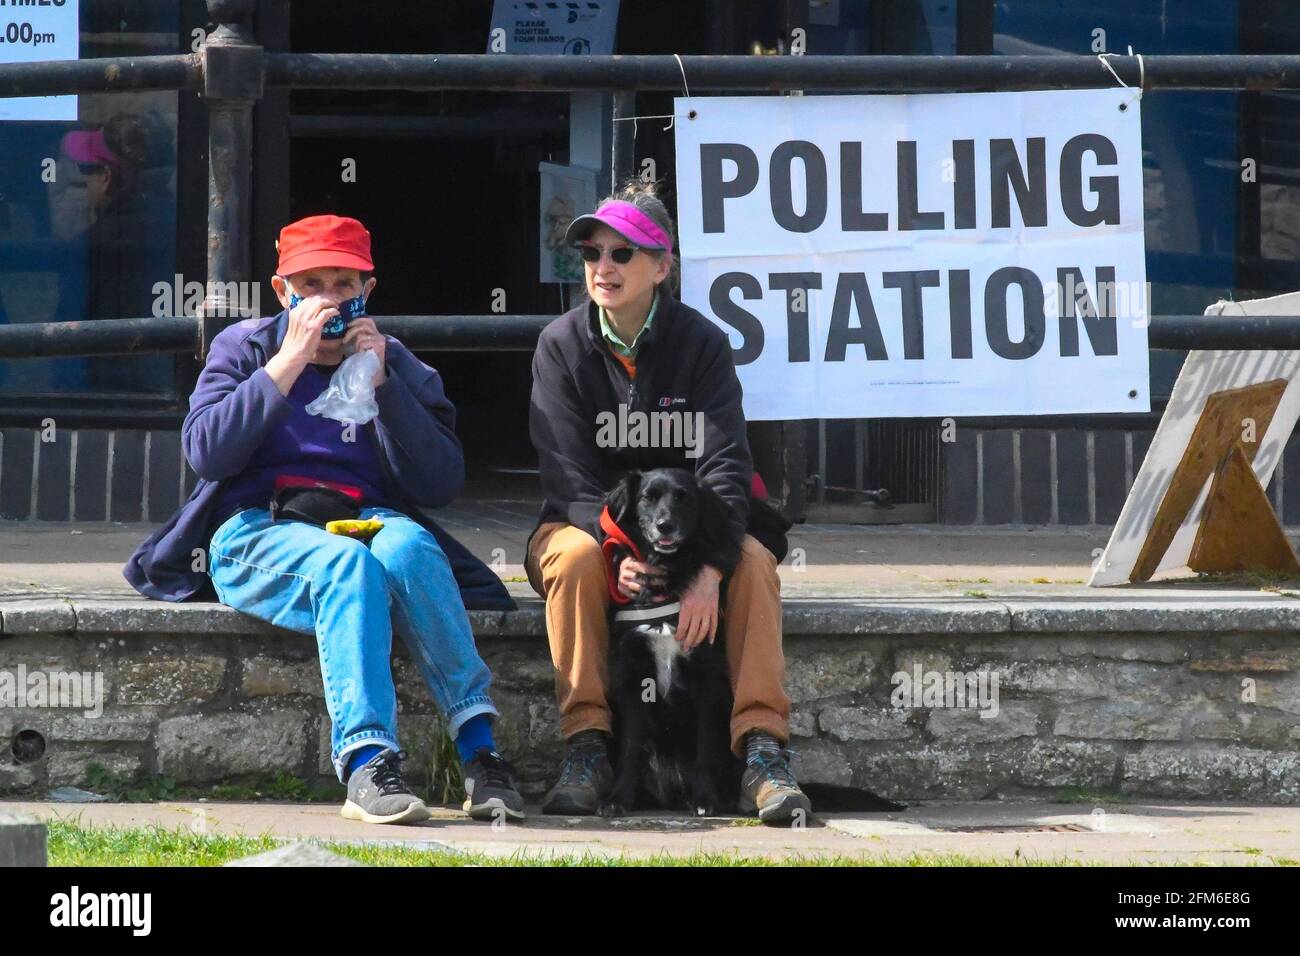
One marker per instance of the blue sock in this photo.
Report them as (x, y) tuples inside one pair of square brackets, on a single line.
[(363, 755), (474, 733)]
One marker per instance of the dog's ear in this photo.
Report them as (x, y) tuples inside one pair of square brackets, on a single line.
[(621, 501), (714, 522)]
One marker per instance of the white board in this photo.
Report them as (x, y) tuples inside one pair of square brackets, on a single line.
[(905, 256), (1203, 374)]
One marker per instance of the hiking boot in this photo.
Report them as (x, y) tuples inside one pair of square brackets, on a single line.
[(490, 789), (378, 794), (586, 777), (768, 786)]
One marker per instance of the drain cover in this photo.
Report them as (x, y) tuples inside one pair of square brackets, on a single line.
[(998, 828)]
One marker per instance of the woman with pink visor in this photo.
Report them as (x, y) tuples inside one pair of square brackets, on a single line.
[(633, 344)]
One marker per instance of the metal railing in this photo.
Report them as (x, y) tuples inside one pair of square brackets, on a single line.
[(518, 333)]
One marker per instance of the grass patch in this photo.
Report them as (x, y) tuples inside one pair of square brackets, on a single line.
[(439, 770), (71, 844), (280, 786)]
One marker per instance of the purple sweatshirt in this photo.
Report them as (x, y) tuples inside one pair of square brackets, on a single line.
[(310, 446), (236, 405)]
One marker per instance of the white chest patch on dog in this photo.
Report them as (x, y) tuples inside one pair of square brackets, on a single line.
[(658, 624), (666, 649)]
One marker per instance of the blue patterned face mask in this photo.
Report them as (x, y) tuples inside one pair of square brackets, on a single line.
[(349, 309)]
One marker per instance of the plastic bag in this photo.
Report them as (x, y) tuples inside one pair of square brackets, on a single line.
[(350, 395)]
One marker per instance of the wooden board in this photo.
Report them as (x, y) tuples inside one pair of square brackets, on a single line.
[(1218, 431), (1239, 531)]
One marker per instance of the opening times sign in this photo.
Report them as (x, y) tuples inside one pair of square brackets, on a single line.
[(35, 30), (917, 256)]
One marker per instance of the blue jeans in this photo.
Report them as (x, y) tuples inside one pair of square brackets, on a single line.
[(352, 596)]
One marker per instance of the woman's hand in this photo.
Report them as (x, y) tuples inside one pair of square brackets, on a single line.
[(699, 615), (300, 341), (363, 334), (633, 575)]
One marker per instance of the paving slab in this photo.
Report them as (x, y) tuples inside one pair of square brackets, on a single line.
[(22, 838)]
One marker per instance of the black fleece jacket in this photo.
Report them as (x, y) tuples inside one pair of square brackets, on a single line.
[(684, 365)]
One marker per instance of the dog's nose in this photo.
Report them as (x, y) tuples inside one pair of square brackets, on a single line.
[(665, 527)]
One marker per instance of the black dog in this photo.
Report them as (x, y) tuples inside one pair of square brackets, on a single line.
[(671, 709)]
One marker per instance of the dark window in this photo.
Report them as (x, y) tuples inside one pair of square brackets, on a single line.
[(88, 213)]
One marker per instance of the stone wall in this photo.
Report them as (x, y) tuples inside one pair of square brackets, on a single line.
[(206, 697)]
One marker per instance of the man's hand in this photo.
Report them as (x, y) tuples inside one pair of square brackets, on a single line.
[(300, 341), (363, 334), (633, 575), (699, 615)]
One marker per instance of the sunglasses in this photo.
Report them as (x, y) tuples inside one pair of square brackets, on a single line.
[(622, 255)]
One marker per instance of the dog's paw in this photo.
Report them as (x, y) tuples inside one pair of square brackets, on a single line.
[(705, 802), (612, 808)]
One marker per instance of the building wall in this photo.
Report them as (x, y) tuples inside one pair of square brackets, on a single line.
[(91, 474), (1066, 476)]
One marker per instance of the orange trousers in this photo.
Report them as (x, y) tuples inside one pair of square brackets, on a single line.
[(566, 567)]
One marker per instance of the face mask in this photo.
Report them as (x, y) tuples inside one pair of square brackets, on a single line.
[(349, 309)]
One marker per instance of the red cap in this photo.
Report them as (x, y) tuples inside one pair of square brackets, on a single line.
[(323, 241)]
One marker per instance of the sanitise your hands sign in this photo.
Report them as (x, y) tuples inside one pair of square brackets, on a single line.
[(927, 255)]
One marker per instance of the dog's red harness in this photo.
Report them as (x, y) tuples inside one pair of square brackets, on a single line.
[(615, 537)]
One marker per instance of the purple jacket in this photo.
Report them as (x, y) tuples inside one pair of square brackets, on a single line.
[(235, 404)]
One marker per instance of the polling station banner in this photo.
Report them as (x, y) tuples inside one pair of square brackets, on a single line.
[(916, 256)]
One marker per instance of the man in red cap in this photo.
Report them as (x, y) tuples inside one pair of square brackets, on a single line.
[(272, 475)]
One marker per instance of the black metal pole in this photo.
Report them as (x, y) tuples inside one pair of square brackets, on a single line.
[(464, 71), (143, 336), (477, 333), (623, 162), (1228, 332), (107, 75), (233, 81), (518, 333), (99, 337), (457, 71)]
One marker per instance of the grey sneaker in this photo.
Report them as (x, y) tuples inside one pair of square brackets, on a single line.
[(586, 777), (768, 786), (490, 787), (378, 794)]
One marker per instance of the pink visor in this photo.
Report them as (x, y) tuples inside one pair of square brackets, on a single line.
[(87, 146), (626, 220)]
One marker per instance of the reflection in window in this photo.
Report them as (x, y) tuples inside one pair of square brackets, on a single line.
[(1189, 139), (88, 213), (844, 27)]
